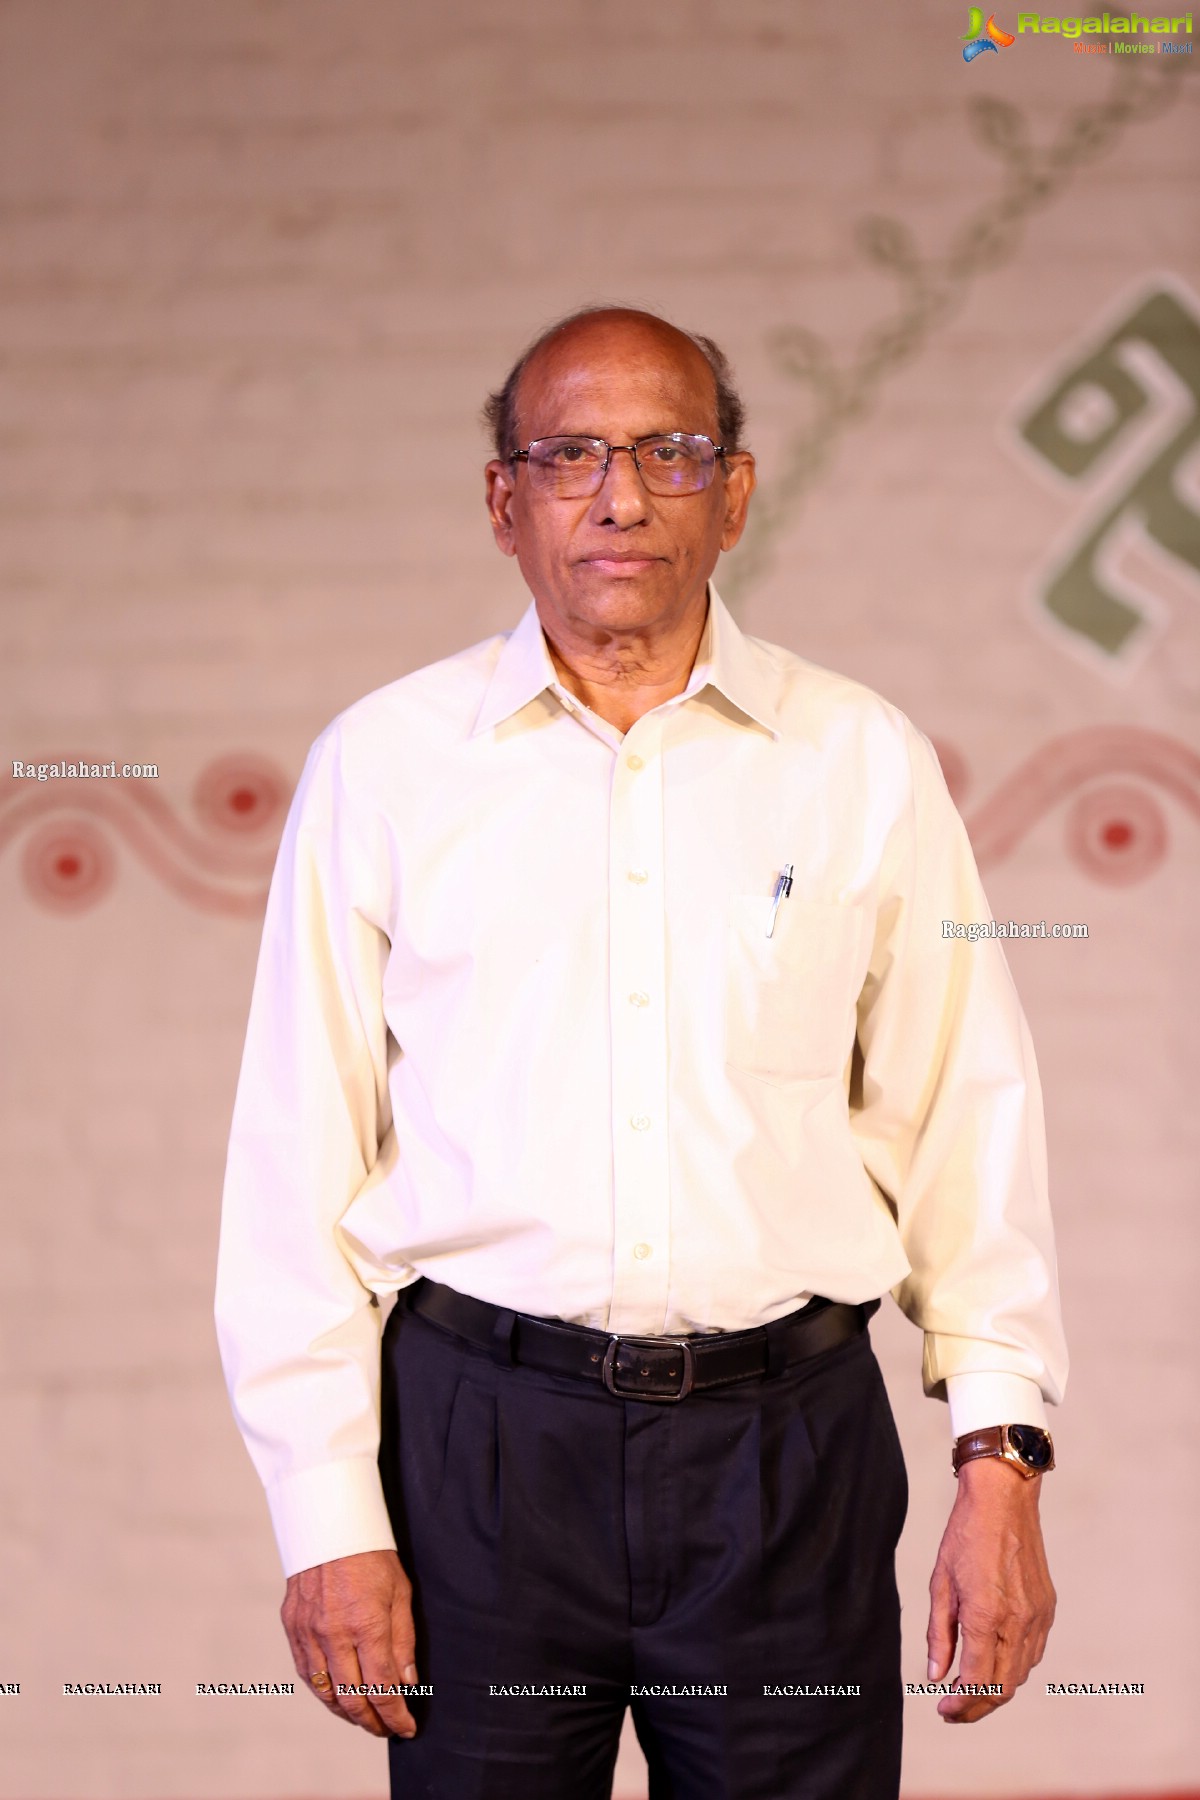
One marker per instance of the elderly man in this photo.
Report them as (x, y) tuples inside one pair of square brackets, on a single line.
[(606, 1026)]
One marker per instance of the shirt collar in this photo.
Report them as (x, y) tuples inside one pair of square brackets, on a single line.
[(725, 659)]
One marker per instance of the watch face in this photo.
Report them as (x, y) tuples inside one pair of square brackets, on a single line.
[(1032, 1445)]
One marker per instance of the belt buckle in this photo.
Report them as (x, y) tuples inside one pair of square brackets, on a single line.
[(686, 1382)]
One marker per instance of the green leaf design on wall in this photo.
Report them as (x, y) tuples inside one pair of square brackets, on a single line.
[(932, 289), (1081, 422)]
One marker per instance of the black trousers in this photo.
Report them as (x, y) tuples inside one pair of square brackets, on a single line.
[(557, 1535)]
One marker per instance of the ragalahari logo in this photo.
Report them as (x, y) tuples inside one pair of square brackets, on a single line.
[(983, 37)]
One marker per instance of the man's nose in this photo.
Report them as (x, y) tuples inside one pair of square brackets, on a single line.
[(623, 496)]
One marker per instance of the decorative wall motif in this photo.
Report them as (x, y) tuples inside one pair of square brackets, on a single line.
[(1085, 429), (69, 859), (932, 288), (1115, 827)]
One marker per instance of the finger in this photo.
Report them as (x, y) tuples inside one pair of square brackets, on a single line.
[(404, 1634), (1021, 1646), (1039, 1636), (312, 1665), (942, 1632), (1014, 1657), (340, 1658), (1039, 1646), (306, 1655), (308, 1660), (976, 1668), (973, 1708), (381, 1670)]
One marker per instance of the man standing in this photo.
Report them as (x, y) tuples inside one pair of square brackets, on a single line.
[(604, 1017)]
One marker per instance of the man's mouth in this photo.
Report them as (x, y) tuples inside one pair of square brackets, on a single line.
[(621, 563)]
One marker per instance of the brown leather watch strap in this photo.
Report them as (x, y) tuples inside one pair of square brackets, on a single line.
[(988, 1441)]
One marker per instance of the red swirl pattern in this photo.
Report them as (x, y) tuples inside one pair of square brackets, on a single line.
[(69, 860), (1115, 830)]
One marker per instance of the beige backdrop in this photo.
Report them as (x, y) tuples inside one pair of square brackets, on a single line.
[(260, 262)]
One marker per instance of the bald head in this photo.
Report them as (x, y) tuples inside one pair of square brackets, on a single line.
[(597, 338)]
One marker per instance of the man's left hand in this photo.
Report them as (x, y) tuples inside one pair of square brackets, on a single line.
[(991, 1590)]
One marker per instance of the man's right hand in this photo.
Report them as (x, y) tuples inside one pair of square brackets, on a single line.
[(353, 1619)]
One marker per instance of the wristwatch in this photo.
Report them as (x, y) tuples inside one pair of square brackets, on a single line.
[(1028, 1448)]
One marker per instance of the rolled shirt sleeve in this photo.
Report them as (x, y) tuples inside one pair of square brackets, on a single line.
[(299, 1332), (947, 1114)]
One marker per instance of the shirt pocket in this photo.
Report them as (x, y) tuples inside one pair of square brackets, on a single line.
[(790, 997)]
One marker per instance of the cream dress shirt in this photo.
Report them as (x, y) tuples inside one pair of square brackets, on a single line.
[(518, 1025)]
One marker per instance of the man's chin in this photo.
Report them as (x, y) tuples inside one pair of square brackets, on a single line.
[(649, 582)]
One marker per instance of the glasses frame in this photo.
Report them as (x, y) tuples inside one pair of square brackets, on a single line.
[(654, 437)]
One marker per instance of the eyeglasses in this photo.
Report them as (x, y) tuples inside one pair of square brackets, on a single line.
[(568, 468)]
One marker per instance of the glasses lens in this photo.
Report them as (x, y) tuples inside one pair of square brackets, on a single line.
[(678, 464), (567, 466)]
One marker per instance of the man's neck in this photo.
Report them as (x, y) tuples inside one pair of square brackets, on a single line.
[(628, 675)]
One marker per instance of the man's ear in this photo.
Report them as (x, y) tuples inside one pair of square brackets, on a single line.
[(739, 485), (498, 477)]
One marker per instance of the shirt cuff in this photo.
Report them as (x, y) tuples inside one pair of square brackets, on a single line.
[(979, 1398), (336, 1509)]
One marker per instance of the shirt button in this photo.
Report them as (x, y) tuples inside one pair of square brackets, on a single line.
[(640, 1121), (639, 999), (634, 762), (642, 1251), (639, 875)]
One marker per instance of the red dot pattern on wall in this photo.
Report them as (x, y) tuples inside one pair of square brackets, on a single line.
[(69, 865), (236, 794), (1117, 832)]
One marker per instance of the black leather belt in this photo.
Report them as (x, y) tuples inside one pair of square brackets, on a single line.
[(640, 1368)]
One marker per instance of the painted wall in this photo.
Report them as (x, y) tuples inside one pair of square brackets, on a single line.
[(260, 262)]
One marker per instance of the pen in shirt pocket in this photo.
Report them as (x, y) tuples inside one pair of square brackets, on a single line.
[(783, 888)]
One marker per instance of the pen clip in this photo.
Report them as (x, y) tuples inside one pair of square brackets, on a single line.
[(783, 887)]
